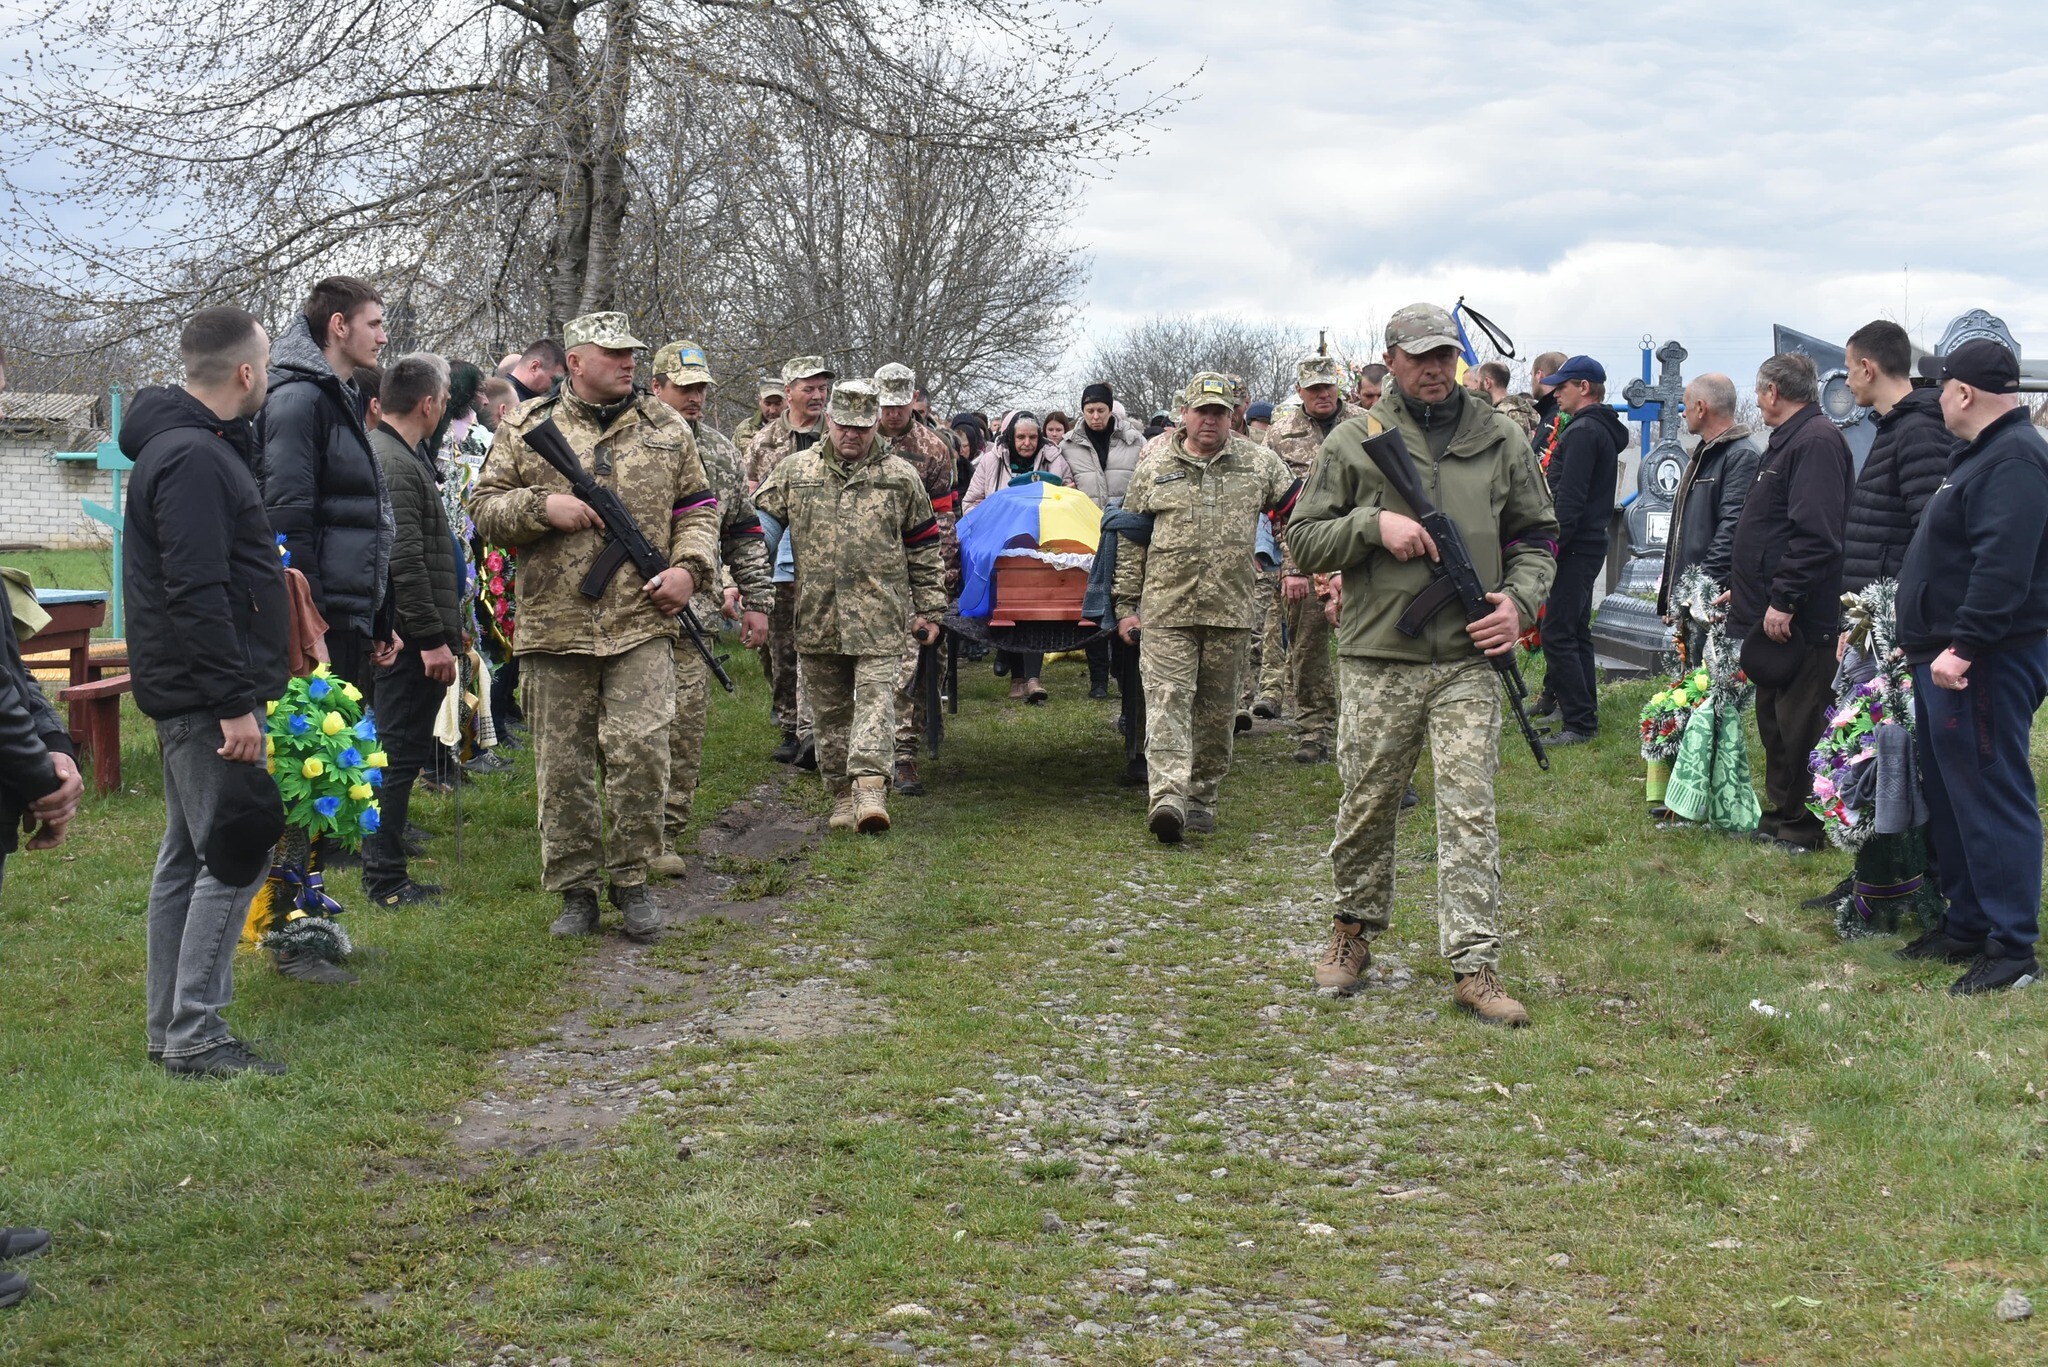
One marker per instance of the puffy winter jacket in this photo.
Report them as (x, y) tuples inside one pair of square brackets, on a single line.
[(992, 472), (1709, 504), (209, 619), (1788, 545), (324, 489), (426, 578), (1906, 465), (1106, 477), (1583, 475)]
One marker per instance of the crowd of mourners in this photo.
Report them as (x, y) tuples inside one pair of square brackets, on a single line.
[(490, 558)]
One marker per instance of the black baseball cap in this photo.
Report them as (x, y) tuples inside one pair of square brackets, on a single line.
[(1981, 364)]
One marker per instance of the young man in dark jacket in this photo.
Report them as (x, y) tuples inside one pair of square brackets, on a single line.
[(324, 489), (1583, 473), (1906, 464), (426, 592), (1973, 620), (208, 630), (1785, 580)]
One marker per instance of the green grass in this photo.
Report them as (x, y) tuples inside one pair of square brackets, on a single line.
[(1878, 1150)]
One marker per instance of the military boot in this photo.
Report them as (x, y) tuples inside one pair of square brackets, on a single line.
[(1243, 721), (1167, 821), (1345, 958), (1200, 821), (636, 903), (906, 780), (579, 914), (1265, 709), (842, 818), (785, 753), (1312, 752), (667, 864), (1480, 993), (870, 816)]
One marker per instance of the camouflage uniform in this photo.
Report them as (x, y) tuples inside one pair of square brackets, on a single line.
[(1396, 691), (744, 557), (1310, 689), (933, 461), (1522, 409), (868, 560), (770, 447), (599, 672), (1192, 588)]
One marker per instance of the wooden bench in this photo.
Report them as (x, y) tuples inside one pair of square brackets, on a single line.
[(95, 712)]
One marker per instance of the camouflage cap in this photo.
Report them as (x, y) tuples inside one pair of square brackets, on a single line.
[(855, 404), (608, 330), (771, 385), (1422, 328), (805, 368), (1311, 371), (1209, 389), (682, 363), (897, 384)]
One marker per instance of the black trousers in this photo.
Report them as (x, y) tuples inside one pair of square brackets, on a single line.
[(1024, 664), (1790, 720), (1098, 660), (1568, 640), (406, 703), (505, 691), (348, 659)]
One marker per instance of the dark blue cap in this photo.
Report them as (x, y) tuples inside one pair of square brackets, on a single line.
[(1259, 412), (1578, 368)]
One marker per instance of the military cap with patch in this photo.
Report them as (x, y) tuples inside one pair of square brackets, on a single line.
[(1421, 328), (855, 404), (1208, 389), (897, 384), (608, 330), (805, 368), (682, 363), (1311, 371)]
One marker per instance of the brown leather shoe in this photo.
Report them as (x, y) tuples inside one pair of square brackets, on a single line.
[(870, 814), (1480, 993), (1345, 957), (905, 780)]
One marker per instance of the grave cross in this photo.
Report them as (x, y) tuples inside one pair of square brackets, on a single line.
[(1648, 403), (107, 456)]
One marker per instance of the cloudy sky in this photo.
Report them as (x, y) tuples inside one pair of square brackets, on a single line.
[(1677, 170)]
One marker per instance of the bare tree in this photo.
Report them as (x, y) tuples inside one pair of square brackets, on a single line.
[(1148, 364), (237, 150)]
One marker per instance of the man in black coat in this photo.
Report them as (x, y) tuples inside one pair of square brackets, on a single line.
[(426, 589), (1906, 464), (209, 625), (1711, 492), (1583, 474), (1973, 621), (324, 489), (1785, 584)]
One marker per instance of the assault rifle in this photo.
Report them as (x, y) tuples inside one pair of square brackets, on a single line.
[(624, 541), (928, 688), (1452, 576)]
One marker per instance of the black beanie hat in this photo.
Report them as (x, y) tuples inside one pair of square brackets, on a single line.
[(1099, 392)]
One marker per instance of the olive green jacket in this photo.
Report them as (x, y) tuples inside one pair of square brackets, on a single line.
[(1487, 482), (649, 458)]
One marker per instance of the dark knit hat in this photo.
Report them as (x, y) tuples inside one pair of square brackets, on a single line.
[(1099, 392)]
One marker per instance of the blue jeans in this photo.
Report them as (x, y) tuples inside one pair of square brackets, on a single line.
[(194, 918), (1974, 748)]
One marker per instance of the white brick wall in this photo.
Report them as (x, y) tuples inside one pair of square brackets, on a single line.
[(39, 500)]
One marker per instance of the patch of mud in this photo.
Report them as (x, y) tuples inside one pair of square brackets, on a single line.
[(568, 1092)]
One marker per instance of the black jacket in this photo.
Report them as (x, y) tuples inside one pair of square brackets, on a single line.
[(209, 619), (426, 581), (1709, 503), (29, 734), (1788, 544), (1976, 573), (1906, 464), (1583, 474), (324, 489)]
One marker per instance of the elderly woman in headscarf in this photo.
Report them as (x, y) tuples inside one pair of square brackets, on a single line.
[(1018, 455)]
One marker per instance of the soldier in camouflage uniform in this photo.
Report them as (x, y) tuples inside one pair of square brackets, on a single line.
[(902, 435), (1396, 691), (1310, 689), (682, 380), (768, 401), (800, 425), (1186, 599), (868, 563), (599, 673)]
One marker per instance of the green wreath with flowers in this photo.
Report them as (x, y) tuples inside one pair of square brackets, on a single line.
[(324, 755)]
